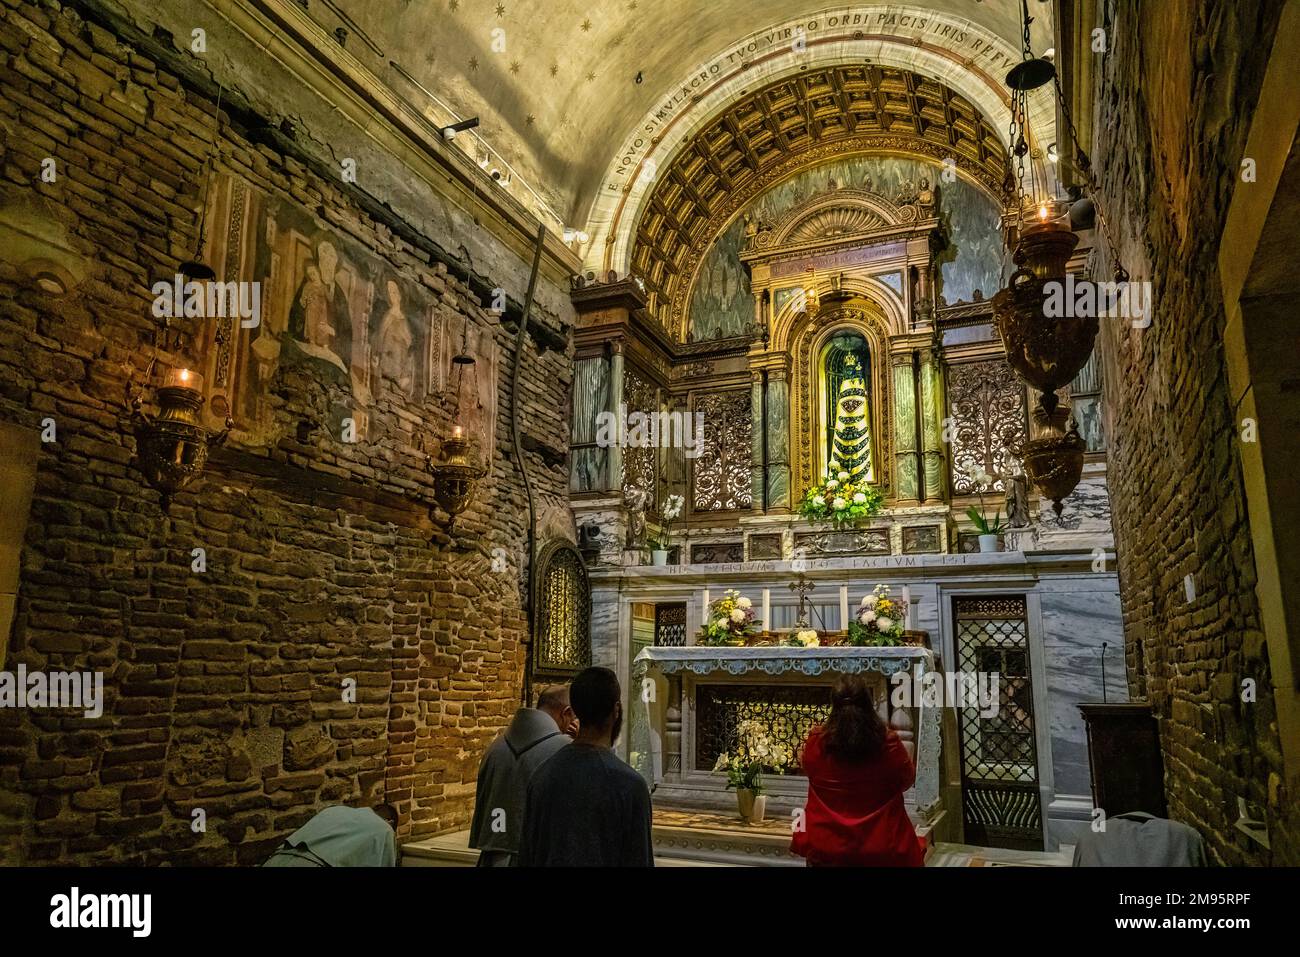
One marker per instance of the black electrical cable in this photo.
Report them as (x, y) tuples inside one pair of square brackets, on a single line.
[(520, 339)]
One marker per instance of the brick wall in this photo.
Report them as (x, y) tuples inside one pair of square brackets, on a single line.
[(1175, 104), (224, 688)]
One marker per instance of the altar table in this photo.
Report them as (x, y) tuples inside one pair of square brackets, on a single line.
[(696, 694)]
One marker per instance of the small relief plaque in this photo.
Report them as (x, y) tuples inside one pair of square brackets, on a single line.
[(921, 540)]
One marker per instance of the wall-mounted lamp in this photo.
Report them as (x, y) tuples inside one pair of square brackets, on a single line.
[(449, 132), (172, 447)]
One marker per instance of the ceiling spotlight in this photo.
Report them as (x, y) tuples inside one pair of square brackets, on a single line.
[(1051, 153), (575, 236), (639, 77), (1049, 53), (449, 132)]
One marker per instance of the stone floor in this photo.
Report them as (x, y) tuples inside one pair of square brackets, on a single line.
[(701, 839)]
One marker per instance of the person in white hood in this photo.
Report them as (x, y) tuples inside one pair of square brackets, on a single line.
[(534, 735)]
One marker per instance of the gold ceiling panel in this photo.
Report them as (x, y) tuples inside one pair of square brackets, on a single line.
[(771, 133)]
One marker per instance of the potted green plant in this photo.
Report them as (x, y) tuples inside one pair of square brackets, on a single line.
[(989, 531), (661, 543)]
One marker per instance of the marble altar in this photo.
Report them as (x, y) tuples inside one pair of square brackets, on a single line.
[(673, 682)]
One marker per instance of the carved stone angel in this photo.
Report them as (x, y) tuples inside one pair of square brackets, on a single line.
[(635, 501)]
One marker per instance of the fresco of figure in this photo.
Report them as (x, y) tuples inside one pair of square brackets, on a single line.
[(321, 317), (395, 343)]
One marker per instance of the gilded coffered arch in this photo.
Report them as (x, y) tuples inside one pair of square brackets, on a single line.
[(775, 132)]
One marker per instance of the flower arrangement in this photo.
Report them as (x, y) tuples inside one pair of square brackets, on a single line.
[(804, 639), (979, 516), (671, 511), (754, 753), (731, 620), (879, 620), (841, 500)]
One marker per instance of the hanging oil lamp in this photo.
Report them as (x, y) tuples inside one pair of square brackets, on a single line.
[(455, 476)]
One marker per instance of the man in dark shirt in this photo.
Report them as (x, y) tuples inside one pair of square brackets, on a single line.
[(585, 807)]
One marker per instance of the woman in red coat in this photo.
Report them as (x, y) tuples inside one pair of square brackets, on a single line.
[(857, 771)]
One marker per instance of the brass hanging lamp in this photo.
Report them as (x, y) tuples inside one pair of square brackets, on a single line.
[(455, 476)]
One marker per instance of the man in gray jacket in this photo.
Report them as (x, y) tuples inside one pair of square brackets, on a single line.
[(533, 736)]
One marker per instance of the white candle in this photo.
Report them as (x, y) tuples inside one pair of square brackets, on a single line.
[(767, 608), (706, 604), (844, 607), (907, 608)]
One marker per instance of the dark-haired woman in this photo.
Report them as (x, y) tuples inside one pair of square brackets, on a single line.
[(857, 771)]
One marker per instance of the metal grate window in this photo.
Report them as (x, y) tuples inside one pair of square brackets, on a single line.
[(670, 625), (563, 644), (1001, 802), (789, 713)]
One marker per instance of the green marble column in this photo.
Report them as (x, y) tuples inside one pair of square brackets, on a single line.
[(615, 480), (932, 427), (906, 477), (778, 441), (756, 441)]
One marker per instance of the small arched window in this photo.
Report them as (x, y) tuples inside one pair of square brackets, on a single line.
[(563, 641)]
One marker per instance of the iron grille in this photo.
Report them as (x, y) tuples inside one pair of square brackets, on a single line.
[(788, 713), (670, 625), (1000, 798), (564, 617)]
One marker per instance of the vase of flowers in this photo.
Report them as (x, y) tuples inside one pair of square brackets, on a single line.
[(755, 752), (661, 543), (841, 499), (730, 621), (879, 620), (988, 530)]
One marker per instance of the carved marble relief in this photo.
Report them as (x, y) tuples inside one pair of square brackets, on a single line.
[(986, 402), (721, 476), (921, 539), (717, 553), (849, 541), (763, 548)]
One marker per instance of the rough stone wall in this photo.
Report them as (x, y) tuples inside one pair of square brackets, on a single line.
[(1174, 107), (224, 688)]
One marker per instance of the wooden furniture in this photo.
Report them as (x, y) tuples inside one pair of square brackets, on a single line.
[(1124, 758)]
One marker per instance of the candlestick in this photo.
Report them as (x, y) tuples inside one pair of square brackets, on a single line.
[(767, 608), (844, 607)]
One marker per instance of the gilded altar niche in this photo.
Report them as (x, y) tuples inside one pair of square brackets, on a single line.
[(842, 284), (817, 394)]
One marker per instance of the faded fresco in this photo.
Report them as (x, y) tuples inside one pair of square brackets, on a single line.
[(721, 302), (368, 335)]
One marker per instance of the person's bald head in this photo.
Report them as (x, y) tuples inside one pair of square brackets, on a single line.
[(554, 700)]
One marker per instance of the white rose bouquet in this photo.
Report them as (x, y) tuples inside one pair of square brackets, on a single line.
[(731, 620), (840, 499), (879, 620)]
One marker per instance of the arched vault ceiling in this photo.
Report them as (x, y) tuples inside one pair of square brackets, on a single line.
[(557, 88), (786, 126)]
